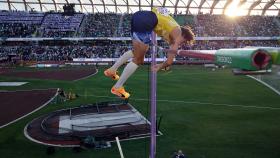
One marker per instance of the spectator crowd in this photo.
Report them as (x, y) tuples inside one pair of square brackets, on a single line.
[(107, 49), (57, 25), (221, 25), (67, 52), (100, 25), (24, 24), (19, 23)]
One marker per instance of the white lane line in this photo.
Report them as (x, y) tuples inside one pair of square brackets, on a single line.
[(192, 102), (262, 82), (86, 76)]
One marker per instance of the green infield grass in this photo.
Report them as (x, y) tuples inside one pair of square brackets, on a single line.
[(205, 113)]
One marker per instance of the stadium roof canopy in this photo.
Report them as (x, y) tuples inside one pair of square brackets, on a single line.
[(229, 7)]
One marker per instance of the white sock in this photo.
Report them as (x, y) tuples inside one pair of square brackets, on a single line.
[(124, 58), (127, 72)]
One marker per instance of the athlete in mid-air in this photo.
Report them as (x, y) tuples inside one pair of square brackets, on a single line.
[(143, 23)]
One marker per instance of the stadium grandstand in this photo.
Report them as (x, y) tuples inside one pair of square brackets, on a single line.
[(216, 23), (51, 33)]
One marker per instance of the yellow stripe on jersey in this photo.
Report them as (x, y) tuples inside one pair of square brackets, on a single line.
[(165, 23)]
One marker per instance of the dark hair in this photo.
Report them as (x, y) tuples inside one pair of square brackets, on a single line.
[(188, 34)]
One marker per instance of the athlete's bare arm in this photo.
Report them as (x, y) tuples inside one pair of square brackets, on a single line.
[(176, 41)]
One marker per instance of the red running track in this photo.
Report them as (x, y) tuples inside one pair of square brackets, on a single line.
[(15, 105)]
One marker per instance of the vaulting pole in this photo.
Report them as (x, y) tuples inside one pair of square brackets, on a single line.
[(153, 88)]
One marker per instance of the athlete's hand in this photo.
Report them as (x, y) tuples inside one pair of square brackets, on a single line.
[(156, 67)]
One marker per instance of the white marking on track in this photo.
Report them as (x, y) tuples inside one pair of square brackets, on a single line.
[(192, 102)]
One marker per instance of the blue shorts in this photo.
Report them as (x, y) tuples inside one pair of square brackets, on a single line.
[(145, 37), (142, 26)]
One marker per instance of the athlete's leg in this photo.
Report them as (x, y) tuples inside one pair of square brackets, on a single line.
[(112, 71), (139, 51), (124, 58)]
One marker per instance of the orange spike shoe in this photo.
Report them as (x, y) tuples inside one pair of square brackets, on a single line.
[(111, 74), (120, 92)]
